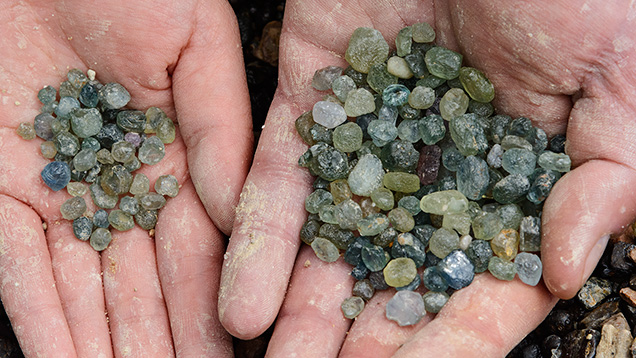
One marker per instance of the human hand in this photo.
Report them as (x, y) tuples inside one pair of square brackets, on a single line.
[(140, 297), (565, 65)]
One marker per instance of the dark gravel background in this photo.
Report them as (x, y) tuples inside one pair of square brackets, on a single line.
[(571, 329)]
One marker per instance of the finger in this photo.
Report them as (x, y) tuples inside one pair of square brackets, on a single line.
[(310, 323), (77, 272), (584, 207), (372, 334), (27, 287), (486, 319), (189, 256), (135, 304), (213, 109)]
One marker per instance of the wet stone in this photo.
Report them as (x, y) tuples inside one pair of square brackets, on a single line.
[(530, 234), (502, 269), (122, 151), (581, 343), (457, 269), (594, 291), (26, 131), (352, 306), (398, 67), (73, 208), (433, 280), (66, 144), (47, 94), (100, 198), (114, 96), (399, 272), (151, 151), (324, 77), (479, 253), (406, 308), (366, 48), (325, 250), (56, 175), (100, 238), (146, 219), (443, 63), (476, 84), (151, 201), (454, 103), (434, 301), (129, 205), (82, 228), (42, 126), (529, 268), (432, 129)]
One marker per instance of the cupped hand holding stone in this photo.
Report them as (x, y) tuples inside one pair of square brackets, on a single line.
[(140, 297), (569, 66)]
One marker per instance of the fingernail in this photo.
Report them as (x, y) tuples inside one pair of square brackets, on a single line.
[(595, 254)]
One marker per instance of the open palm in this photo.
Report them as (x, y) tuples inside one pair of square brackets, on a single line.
[(567, 65), (140, 297)]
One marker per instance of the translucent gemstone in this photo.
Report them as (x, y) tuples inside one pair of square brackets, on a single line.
[(347, 137), (152, 151), (154, 116), (403, 41), (47, 95), (408, 245), (359, 102), (374, 257), (422, 97), (401, 219), (368, 207), (373, 224), (458, 222), (401, 182), (486, 226), (352, 306), (433, 280), (66, 106), (129, 205), (473, 177), (360, 272), (529, 268), (116, 180), (502, 269), (542, 182), (146, 219), (415, 61), (520, 127), (42, 126), (151, 201), (530, 234), (443, 242), (399, 156), (406, 308), (89, 96), (423, 32), (303, 126), (114, 96), (395, 95), (498, 127), (512, 141), (140, 184), (411, 204), (468, 135), (121, 220), (84, 160), (557, 143), (494, 157), (457, 269), (431, 81), (385, 238), (444, 202), (68, 90), (328, 162), (412, 286), (399, 272), (100, 238), (388, 113), (398, 67), (167, 185), (366, 48), (320, 133), (309, 231), (26, 130), (76, 78), (340, 191), (56, 175), (539, 140), (66, 144), (122, 151), (73, 208), (483, 110), (100, 219), (92, 174), (76, 188), (324, 77), (511, 215), (432, 129), (479, 252), (348, 213), (382, 132), (329, 114), (133, 164), (452, 158), (91, 143), (104, 156), (434, 301), (82, 228), (408, 130), (428, 164), (443, 62), (109, 134), (363, 289), (454, 103), (60, 125), (511, 188), (166, 131), (379, 77), (476, 84), (519, 161), (132, 121), (594, 291), (555, 161), (353, 254), (100, 198), (506, 244), (359, 78), (341, 87), (383, 198)]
